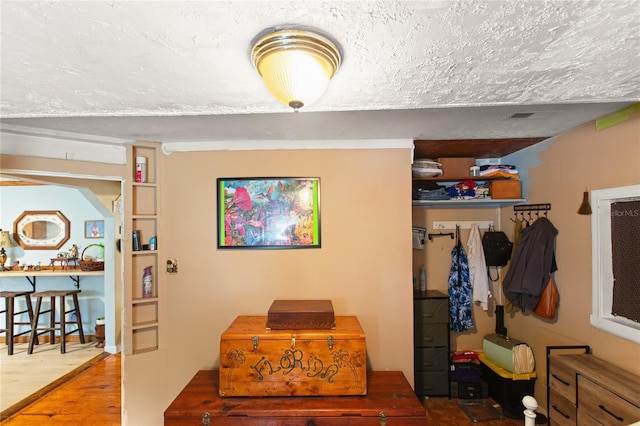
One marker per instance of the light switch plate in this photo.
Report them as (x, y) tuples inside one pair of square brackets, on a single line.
[(117, 206)]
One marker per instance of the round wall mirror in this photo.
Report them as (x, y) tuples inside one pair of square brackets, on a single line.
[(41, 230)]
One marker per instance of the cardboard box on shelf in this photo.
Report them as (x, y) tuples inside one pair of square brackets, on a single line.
[(503, 189), (456, 167)]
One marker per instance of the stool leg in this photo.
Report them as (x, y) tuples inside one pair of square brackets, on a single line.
[(10, 309), (52, 321), (76, 307), (63, 326), (34, 325), (30, 312)]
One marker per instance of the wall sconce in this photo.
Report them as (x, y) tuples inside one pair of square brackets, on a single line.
[(296, 65), (5, 241)]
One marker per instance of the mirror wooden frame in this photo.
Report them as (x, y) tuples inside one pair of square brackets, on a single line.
[(30, 216)]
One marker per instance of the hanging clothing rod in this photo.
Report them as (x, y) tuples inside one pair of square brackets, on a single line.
[(448, 234), (531, 207)]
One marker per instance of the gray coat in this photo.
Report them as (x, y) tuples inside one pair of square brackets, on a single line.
[(532, 263)]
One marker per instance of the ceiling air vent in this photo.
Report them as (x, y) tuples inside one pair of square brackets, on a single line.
[(521, 115)]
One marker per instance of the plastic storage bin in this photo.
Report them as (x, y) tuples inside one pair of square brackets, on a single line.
[(506, 388)]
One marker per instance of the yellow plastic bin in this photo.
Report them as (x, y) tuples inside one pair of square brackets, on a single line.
[(507, 388)]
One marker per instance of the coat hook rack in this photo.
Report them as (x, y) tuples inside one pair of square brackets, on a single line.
[(531, 207), (447, 234)]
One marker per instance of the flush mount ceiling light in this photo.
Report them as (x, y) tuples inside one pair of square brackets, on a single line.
[(296, 65)]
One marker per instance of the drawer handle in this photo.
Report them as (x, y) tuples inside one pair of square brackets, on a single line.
[(560, 380), (563, 414), (618, 418)]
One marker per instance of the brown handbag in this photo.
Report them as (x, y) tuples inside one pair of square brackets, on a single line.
[(548, 300)]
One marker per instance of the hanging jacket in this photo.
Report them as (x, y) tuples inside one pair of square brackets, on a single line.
[(460, 313), (478, 268), (531, 265), (517, 235)]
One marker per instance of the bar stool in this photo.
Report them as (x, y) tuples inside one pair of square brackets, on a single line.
[(10, 314), (62, 323)]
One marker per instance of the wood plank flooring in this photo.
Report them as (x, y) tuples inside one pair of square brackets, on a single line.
[(444, 411), (93, 398), (90, 398), (22, 375)]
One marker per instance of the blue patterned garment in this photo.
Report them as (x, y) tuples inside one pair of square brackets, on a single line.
[(460, 313)]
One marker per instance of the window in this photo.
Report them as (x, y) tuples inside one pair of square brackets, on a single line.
[(615, 227)]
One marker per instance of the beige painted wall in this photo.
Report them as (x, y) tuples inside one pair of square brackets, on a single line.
[(584, 158), (364, 265)]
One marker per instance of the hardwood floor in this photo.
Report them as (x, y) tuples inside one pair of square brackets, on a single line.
[(444, 411), (22, 375), (93, 398), (90, 398)]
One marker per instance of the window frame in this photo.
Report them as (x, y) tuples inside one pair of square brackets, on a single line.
[(602, 269)]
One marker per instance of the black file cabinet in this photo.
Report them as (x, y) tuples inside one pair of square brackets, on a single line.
[(431, 343)]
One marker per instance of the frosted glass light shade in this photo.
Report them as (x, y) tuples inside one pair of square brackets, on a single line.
[(296, 65)]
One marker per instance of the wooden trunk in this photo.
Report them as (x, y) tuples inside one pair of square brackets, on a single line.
[(390, 402), (255, 361), (301, 315)]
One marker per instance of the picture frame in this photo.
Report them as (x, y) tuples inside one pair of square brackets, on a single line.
[(268, 213), (94, 228)]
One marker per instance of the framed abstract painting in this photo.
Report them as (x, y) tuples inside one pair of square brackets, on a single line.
[(268, 212)]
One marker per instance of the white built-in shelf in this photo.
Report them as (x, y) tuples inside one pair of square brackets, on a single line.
[(475, 202)]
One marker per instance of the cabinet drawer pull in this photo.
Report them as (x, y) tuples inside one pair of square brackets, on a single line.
[(618, 418), (560, 380), (563, 414)]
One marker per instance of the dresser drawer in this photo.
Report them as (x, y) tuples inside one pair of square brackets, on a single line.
[(561, 411), (432, 359), (432, 383), (603, 405), (431, 335), (431, 311), (587, 420), (563, 381)]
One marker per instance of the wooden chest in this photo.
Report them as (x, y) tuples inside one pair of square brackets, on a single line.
[(255, 361), (390, 402), (301, 315)]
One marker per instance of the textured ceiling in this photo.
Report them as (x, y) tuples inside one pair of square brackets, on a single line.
[(180, 71)]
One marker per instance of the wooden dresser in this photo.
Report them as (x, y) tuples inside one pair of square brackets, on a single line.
[(586, 391), (390, 401)]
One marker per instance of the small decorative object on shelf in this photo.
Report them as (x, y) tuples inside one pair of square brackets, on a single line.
[(147, 283), (89, 263), (141, 169)]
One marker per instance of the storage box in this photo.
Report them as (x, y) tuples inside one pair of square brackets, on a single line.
[(301, 315), (505, 189), (456, 167), (511, 354), (506, 388), (390, 401), (255, 361)]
